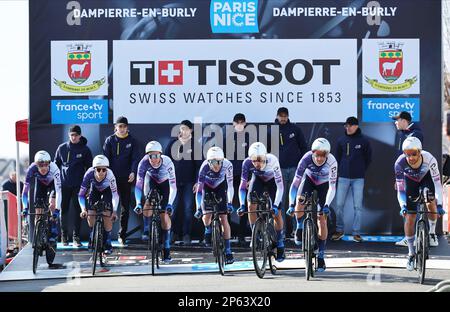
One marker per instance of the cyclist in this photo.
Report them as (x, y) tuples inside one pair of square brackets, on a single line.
[(47, 179), (156, 171), (414, 170), (266, 175), (317, 170), (100, 181), (211, 180)]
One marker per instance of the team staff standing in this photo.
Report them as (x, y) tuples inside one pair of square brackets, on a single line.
[(122, 151), (293, 146), (181, 152), (353, 154), (73, 158)]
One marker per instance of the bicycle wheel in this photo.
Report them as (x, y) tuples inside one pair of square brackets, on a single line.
[(153, 241), (259, 247), (422, 244), (271, 246), (308, 247), (37, 243), (219, 246), (98, 237), (50, 250)]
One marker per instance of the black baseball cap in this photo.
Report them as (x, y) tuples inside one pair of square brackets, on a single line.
[(403, 115), (239, 117), (76, 129), (282, 110), (187, 123), (122, 120), (352, 121)]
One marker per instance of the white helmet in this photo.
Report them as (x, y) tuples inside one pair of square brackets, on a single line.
[(42, 156), (153, 146), (412, 143), (100, 161), (321, 144), (215, 152), (257, 149)]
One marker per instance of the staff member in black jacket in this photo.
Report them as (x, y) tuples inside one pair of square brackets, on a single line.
[(122, 151), (236, 144), (73, 158), (181, 151), (353, 154), (292, 146)]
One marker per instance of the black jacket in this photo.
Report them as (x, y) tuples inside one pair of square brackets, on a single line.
[(73, 160), (234, 153), (123, 155), (353, 154), (292, 144), (10, 186), (186, 170)]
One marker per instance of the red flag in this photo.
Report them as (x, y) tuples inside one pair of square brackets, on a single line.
[(22, 131)]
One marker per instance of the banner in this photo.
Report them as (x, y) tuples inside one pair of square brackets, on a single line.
[(166, 81), (160, 62)]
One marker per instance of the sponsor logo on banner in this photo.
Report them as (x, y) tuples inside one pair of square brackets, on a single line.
[(79, 111), (383, 109), (163, 81), (391, 66), (234, 16), (79, 68)]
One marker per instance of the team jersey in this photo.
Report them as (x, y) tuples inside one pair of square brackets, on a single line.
[(404, 170), (213, 179), (90, 180), (271, 170), (165, 171), (53, 175), (318, 175)]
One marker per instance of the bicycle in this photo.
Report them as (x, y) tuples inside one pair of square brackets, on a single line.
[(98, 245), (218, 241), (154, 245), (264, 237), (41, 235), (309, 236), (422, 233)]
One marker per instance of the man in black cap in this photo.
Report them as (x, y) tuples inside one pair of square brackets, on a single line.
[(293, 146), (73, 158), (238, 142), (406, 128), (123, 154), (181, 151), (353, 154)]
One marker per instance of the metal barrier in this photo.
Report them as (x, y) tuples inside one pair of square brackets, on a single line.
[(12, 219)]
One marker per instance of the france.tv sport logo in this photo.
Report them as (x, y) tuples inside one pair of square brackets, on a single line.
[(234, 16), (79, 111)]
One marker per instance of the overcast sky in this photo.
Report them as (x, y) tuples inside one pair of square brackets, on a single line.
[(13, 72)]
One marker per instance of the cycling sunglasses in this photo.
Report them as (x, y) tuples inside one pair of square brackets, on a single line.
[(320, 153), (214, 162), (43, 164), (101, 170), (412, 154), (154, 156), (258, 160)]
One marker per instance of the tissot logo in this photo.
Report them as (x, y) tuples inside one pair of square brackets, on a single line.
[(169, 72), (239, 72), (234, 16)]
